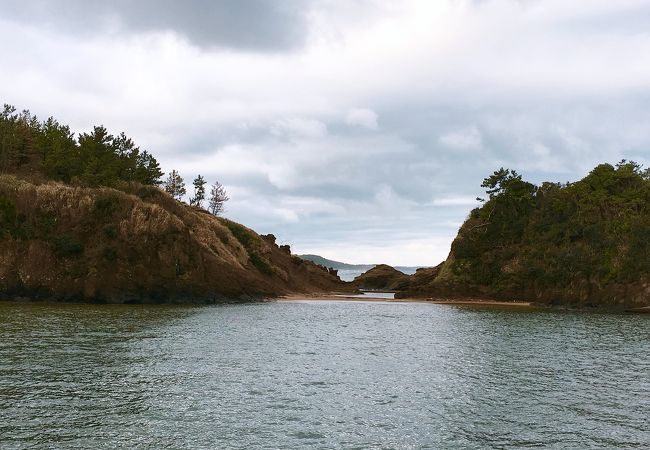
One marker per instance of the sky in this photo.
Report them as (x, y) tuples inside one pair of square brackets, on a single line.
[(359, 130)]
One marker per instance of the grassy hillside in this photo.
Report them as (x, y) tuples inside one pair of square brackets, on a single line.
[(585, 243), (59, 242), (82, 219)]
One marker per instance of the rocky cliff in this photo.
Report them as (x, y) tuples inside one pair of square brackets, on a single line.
[(582, 244), (137, 244)]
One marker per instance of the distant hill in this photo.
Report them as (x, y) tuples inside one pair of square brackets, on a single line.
[(345, 266), (336, 264)]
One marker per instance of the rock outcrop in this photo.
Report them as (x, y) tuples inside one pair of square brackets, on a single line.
[(584, 244), (382, 277)]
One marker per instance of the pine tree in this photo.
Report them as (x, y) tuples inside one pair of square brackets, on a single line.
[(218, 197), (199, 192), (175, 185), (147, 169), (96, 158)]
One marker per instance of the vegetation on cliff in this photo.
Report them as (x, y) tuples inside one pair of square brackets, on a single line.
[(47, 148), (82, 219), (584, 243), (60, 242)]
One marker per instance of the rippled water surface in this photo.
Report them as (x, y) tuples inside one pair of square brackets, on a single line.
[(321, 375)]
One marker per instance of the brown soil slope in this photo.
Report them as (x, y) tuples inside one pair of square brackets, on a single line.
[(64, 243)]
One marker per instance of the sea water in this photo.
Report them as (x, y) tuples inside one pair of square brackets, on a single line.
[(316, 374)]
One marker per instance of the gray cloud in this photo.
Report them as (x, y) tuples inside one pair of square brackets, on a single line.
[(257, 25), (370, 139)]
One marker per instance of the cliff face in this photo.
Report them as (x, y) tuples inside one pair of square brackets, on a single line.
[(449, 281), (59, 242), (583, 244)]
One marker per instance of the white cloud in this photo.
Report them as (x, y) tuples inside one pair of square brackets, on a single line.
[(296, 127), (362, 117), (287, 215), (423, 250), (455, 201), (463, 139)]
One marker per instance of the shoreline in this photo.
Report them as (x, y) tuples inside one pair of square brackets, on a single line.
[(347, 297)]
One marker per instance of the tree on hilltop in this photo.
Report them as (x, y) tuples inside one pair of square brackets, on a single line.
[(199, 191), (95, 158), (218, 196), (175, 185)]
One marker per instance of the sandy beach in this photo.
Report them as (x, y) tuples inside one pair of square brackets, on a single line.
[(369, 298)]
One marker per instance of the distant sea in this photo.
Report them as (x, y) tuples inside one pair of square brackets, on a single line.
[(351, 274)]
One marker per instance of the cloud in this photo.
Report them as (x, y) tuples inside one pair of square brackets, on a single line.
[(464, 139), (421, 250), (282, 102), (362, 117), (296, 127), (455, 201), (256, 25)]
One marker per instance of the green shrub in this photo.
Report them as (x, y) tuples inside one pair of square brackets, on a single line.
[(45, 224), (105, 205), (243, 235), (67, 246), (7, 215), (148, 192), (110, 231), (260, 264), (109, 254), (223, 237)]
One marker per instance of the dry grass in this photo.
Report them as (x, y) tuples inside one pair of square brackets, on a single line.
[(104, 243)]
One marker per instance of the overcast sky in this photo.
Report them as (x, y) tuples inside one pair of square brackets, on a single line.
[(356, 129)]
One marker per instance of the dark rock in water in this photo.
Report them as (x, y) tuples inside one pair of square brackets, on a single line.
[(381, 277)]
